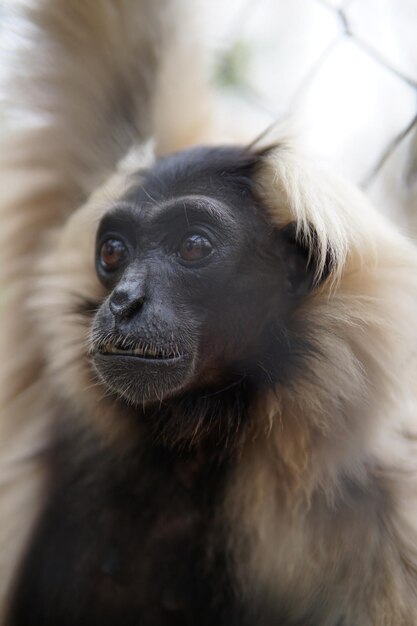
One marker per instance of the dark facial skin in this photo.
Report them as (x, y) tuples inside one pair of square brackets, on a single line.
[(201, 286)]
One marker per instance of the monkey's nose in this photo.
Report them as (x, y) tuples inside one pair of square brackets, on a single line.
[(123, 303)]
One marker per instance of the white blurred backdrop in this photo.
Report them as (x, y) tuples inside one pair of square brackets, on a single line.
[(345, 69)]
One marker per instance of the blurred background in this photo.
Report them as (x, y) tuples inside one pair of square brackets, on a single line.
[(345, 69)]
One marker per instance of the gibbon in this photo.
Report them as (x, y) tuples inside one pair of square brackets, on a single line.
[(208, 375)]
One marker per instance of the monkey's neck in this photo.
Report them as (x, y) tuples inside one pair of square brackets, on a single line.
[(202, 419)]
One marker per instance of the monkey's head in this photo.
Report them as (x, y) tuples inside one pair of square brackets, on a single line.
[(185, 292), (199, 285)]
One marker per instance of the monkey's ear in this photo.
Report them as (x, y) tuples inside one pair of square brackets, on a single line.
[(300, 255)]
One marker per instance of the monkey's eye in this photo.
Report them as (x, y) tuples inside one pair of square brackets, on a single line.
[(113, 253), (194, 248)]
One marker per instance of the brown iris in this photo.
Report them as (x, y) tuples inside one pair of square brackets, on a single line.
[(194, 248), (112, 254)]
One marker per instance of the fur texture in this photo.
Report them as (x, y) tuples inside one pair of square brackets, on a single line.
[(320, 505), (79, 83)]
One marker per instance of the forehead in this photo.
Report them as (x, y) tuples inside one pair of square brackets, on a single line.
[(216, 181), (210, 187)]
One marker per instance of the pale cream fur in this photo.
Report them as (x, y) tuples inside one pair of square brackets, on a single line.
[(349, 419)]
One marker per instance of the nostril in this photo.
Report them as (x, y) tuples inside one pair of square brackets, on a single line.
[(122, 303), (116, 308)]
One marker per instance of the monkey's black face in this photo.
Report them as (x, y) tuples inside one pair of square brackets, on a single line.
[(199, 284)]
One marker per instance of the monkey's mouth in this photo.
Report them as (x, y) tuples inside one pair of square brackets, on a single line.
[(141, 371), (141, 351)]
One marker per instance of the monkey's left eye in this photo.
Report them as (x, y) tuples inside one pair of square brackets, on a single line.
[(195, 248), (113, 253)]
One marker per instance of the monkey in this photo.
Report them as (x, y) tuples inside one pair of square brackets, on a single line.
[(229, 366), (215, 408)]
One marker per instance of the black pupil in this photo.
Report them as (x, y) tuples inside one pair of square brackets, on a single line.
[(195, 247)]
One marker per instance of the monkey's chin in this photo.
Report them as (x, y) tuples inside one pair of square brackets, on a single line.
[(143, 380)]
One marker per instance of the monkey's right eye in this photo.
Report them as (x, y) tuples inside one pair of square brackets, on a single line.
[(112, 255)]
